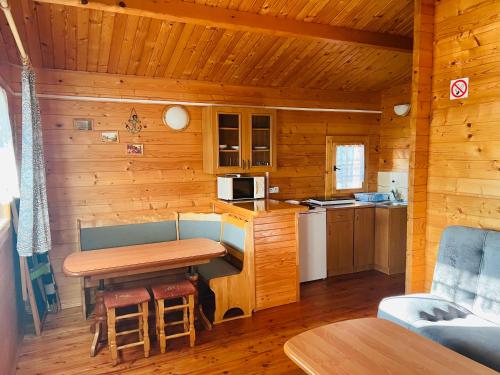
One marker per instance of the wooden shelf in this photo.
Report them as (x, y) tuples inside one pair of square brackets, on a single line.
[(229, 129), (267, 129), (261, 150), (229, 150)]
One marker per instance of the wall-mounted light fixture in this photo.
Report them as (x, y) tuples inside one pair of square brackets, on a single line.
[(402, 109)]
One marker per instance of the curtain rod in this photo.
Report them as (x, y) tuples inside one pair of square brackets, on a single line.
[(4, 4), (196, 104)]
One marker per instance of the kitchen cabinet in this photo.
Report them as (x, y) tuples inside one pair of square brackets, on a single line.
[(340, 241), (364, 238), (350, 241), (239, 140), (275, 248), (390, 239)]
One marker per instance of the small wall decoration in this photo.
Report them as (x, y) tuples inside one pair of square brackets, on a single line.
[(176, 117), (83, 124), (109, 137), (459, 88), (135, 149), (133, 124)]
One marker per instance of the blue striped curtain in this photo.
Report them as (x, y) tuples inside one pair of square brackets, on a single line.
[(34, 228)]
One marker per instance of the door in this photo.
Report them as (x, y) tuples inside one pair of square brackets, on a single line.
[(312, 246), (364, 238), (229, 136), (261, 135), (340, 241)]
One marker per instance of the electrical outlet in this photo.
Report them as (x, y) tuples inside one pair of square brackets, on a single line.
[(274, 189)]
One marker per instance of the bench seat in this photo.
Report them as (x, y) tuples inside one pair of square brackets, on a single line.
[(218, 267)]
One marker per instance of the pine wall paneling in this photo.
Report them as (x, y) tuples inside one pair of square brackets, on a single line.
[(421, 97), (9, 323), (464, 185), (394, 131), (302, 149), (88, 179)]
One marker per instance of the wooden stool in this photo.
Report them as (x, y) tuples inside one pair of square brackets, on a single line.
[(182, 289), (124, 298)]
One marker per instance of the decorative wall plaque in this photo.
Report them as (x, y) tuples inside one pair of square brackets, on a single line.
[(133, 124)]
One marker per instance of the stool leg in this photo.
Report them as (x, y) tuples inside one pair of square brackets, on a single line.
[(112, 335), (185, 315), (145, 328), (139, 320), (161, 318), (192, 333), (157, 320)]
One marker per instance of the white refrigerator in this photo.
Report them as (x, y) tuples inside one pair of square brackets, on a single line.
[(312, 244)]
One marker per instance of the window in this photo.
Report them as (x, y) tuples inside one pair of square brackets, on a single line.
[(9, 185), (346, 165), (349, 166)]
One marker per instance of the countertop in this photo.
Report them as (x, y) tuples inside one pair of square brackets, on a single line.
[(260, 207), (365, 205), (350, 205)]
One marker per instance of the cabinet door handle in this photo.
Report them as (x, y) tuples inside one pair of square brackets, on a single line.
[(244, 164), (249, 165)]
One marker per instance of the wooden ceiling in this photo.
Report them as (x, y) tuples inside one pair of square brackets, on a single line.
[(78, 39)]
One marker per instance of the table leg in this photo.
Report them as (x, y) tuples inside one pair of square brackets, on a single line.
[(193, 277), (100, 325)]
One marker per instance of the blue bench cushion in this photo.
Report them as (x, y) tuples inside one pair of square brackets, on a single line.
[(471, 336), (127, 235), (408, 309), (199, 229), (233, 236), (458, 265), (218, 267), (487, 302)]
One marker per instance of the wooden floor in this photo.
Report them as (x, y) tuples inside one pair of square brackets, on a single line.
[(245, 346)]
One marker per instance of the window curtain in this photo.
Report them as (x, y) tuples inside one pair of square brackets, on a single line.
[(33, 234), (350, 161), (9, 188), (34, 228)]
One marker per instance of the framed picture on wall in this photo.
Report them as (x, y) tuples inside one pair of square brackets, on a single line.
[(135, 149), (83, 124), (109, 137)]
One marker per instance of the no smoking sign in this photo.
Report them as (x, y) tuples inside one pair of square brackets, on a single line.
[(459, 88)]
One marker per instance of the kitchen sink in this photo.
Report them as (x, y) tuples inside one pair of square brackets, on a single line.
[(392, 204)]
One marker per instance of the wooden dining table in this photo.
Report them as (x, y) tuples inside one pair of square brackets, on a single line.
[(377, 347), (102, 264)]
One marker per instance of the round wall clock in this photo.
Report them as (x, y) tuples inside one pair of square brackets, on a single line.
[(176, 117)]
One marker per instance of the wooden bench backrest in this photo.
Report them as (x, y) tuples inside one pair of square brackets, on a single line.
[(237, 237), (117, 231), (195, 225)]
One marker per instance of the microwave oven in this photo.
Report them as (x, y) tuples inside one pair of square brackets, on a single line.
[(232, 188)]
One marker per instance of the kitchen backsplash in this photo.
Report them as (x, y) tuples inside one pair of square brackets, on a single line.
[(397, 181)]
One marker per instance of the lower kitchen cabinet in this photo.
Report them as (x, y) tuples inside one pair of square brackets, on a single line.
[(390, 240), (340, 241), (350, 242), (364, 238)]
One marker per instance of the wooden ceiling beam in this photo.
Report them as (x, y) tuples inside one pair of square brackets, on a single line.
[(98, 85), (179, 11)]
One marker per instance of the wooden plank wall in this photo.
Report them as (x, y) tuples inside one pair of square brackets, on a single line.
[(9, 324), (464, 184), (394, 131), (88, 179), (421, 96), (302, 149)]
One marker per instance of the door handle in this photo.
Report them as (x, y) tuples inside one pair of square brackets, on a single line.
[(335, 169), (248, 163), (244, 164)]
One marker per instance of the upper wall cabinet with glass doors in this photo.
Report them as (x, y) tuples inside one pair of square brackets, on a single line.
[(239, 140)]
